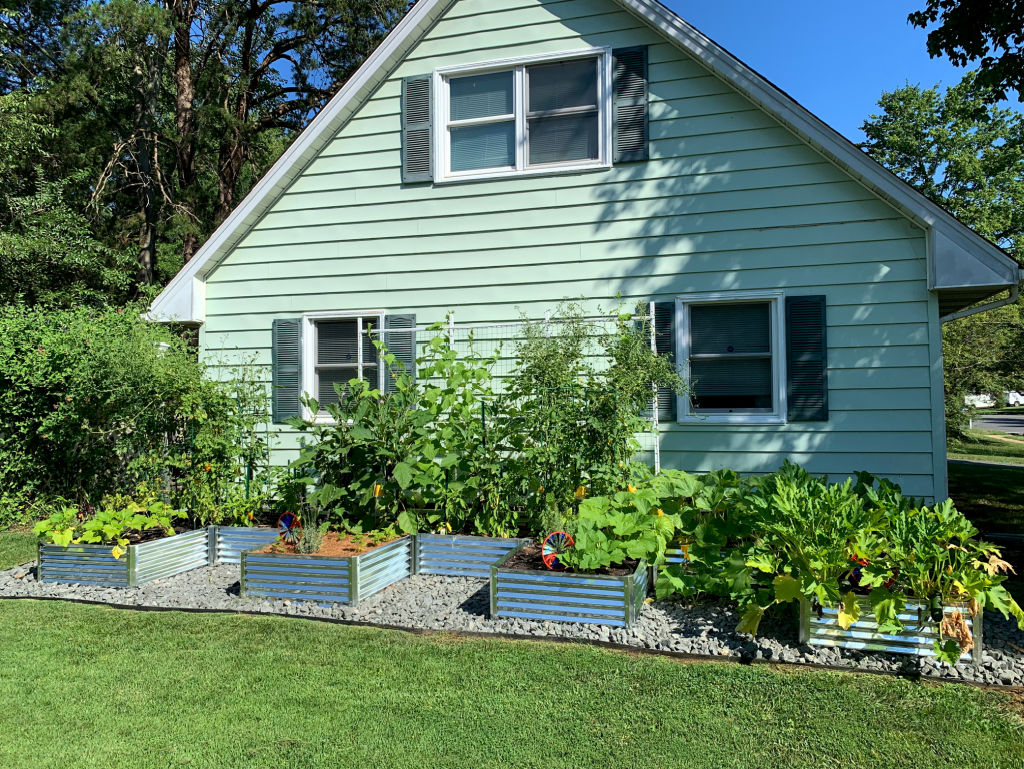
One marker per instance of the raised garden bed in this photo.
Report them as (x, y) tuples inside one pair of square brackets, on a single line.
[(345, 579), (600, 599), (863, 634), (458, 555), (141, 563), (148, 561)]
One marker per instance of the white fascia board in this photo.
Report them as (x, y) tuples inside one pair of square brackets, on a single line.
[(827, 141), (180, 300)]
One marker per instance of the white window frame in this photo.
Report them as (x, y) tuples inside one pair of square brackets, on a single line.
[(777, 311), (309, 379), (518, 65)]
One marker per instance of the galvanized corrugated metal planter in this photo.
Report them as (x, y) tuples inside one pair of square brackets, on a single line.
[(326, 579), (863, 634), (142, 563), (557, 595), (227, 543), (459, 555)]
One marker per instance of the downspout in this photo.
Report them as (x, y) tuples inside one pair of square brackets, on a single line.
[(1014, 294)]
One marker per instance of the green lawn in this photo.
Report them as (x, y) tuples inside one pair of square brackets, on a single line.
[(984, 445), (88, 686), (16, 547)]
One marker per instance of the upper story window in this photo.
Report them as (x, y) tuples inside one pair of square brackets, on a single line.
[(336, 348), (525, 117), (732, 350)]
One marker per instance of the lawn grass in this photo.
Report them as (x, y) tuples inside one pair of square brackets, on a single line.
[(89, 686), (17, 546), (988, 446)]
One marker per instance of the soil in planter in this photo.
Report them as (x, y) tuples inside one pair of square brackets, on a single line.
[(529, 559), (334, 544)]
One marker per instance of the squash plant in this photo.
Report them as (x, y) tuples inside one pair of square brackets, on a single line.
[(108, 526), (933, 555), (628, 525)]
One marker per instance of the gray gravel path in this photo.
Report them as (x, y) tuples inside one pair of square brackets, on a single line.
[(456, 603)]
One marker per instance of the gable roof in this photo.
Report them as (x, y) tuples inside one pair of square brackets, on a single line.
[(963, 266)]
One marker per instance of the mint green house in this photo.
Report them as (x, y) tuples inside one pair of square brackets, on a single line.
[(496, 157)]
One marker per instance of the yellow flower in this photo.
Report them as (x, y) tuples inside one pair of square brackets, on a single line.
[(660, 511), (630, 488), (620, 464), (540, 489), (581, 492), (377, 490)]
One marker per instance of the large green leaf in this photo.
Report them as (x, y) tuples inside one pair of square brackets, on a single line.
[(750, 620), (787, 588), (403, 474)]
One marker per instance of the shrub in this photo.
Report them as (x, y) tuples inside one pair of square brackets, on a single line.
[(97, 401)]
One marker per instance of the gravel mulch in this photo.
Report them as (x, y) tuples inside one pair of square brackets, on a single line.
[(461, 604)]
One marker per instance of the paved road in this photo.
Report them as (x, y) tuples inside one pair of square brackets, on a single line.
[(1004, 423)]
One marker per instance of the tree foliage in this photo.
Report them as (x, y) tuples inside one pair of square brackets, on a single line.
[(162, 114), (989, 32), (967, 155)]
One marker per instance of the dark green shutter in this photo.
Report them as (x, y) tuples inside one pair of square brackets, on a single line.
[(401, 344), (630, 104), (417, 144), (664, 344), (286, 365), (806, 359)]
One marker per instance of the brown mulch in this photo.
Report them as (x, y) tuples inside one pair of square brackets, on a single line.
[(334, 544), (529, 559)]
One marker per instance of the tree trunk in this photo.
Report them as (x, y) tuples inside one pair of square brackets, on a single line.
[(146, 78), (184, 12)]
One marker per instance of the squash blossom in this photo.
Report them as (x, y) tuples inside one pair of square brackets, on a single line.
[(581, 492), (630, 488), (660, 511), (377, 490)]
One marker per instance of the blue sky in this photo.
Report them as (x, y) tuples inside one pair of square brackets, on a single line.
[(835, 57)]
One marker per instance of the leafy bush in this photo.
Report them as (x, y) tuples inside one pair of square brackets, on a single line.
[(96, 401)]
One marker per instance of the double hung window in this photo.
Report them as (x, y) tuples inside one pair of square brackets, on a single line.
[(527, 117), (337, 349)]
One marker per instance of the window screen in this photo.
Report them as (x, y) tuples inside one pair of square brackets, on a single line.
[(562, 112), (340, 357), (731, 357)]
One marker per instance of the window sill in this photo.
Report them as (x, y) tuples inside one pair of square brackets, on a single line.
[(732, 419), (550, 171)]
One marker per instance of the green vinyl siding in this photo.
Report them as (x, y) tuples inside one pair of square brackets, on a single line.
[(729, 200)]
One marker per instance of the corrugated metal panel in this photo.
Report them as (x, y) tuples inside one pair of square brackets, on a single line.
[(83, 564), (297, 577), (173, 555), (459, 555), (231, 541), (384, 566), (863, 635), (326, 579), (563, 597)]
